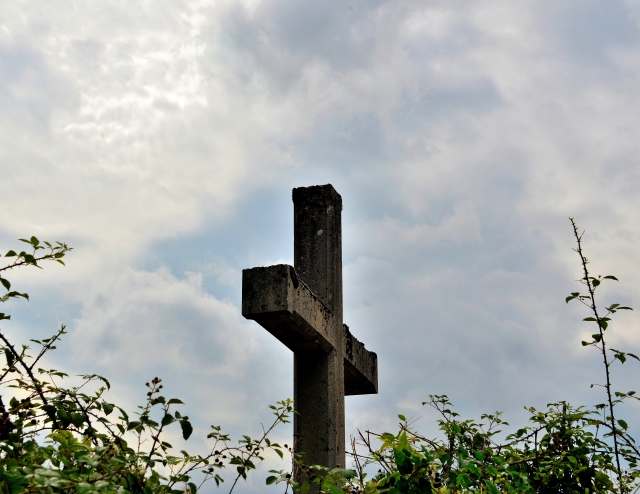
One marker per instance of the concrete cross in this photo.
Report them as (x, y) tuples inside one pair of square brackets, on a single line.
[(302, 307)]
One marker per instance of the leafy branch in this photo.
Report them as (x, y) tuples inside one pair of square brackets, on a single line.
[(61, 438), (598, 340)]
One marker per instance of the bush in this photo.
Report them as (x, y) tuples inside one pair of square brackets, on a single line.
[(56, 438), (71, 439), (563, 449)]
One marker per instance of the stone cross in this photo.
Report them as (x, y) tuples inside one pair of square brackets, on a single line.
[(302, 307)]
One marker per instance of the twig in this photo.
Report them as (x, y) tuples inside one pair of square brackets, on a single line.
[(33, 379), (593, 307)]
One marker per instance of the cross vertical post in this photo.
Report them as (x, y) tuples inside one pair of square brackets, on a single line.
[(317, 253)]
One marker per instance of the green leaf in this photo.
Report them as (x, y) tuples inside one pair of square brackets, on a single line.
[(9, 356), (15, 294), (595, 282), (187, 429), (175, 400), (402, 417), (11, 253), (589, 319), (610, 278), (193, 487), (168, 419), (77, 419), (623, 424), (597, 337), (584, 343), (64, 417), (133, 425), (572, 296), (271, 479), (491, 488), (3, 316), (96, 376), (403, 462), (5, 283), (346, 473), (464, 480)]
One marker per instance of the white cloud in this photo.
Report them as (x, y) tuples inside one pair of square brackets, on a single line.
[(461, 135), (143, 318), (460, 227)]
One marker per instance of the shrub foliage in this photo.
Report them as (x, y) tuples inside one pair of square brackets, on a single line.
[(71, 438), (57, 437), (562, 449)]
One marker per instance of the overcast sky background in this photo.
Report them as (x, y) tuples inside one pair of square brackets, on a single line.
[(162, 140)]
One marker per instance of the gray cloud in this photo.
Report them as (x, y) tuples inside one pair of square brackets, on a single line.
[(163, 141)]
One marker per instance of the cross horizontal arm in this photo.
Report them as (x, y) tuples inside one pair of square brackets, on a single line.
[(360, 367), (280, 302)]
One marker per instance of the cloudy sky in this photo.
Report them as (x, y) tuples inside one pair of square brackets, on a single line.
[(162, 140)]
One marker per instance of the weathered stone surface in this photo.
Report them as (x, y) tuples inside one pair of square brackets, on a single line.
[(281, 303), (360, 367), (319, 382), (302, 307)]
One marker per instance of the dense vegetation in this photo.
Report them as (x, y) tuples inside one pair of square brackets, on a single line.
[(70, 438)]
